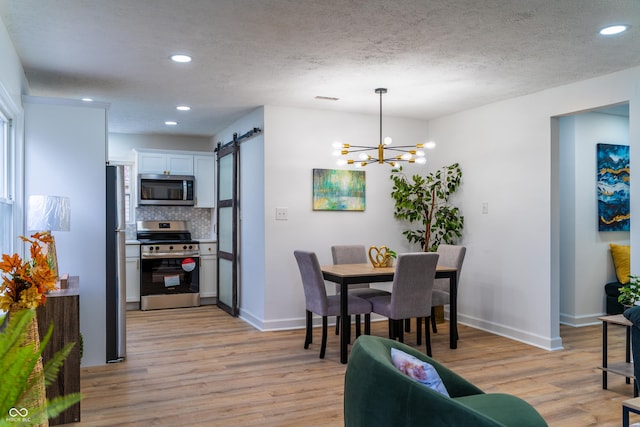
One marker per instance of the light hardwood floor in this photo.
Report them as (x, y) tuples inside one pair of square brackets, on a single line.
[(200, 367)]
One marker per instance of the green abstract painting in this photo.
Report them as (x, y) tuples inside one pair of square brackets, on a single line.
[(338, 190)]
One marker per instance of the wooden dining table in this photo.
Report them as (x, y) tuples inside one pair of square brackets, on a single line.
[(350, 274)]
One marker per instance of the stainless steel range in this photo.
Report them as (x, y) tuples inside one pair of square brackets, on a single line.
[(170, 265)]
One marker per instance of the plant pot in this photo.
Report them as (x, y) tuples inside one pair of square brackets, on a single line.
[(36, 398)]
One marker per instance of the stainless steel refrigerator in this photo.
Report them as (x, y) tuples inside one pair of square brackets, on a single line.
[(116, 291)]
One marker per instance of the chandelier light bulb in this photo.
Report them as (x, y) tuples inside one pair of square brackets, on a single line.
[(387, 140), (430, 145), (341, 162), (406, 156), (421, 160), (336, 145), (363, 156), (337, 153), (420, 153)]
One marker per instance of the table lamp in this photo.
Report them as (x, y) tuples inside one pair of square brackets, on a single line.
[(47, 214)]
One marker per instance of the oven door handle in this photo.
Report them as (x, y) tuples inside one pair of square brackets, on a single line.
[(170, 255)]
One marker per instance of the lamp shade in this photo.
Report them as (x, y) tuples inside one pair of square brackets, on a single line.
[(49, 213)]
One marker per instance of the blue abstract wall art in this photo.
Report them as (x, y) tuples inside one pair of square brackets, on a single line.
[(338, 190), (613, 187)]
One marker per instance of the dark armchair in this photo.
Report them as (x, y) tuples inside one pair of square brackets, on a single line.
[(378, 394)]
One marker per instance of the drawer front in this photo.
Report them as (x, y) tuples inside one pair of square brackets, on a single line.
[(132, 250), (208, 249)]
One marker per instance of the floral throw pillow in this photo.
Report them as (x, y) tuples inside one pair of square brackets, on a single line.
[(420, 371)]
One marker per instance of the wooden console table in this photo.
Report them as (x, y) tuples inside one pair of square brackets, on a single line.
[(62, 308), (621, 368)]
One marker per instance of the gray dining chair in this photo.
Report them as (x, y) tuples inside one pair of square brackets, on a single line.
[(411, 293), (450, 256), (317, 301), (354, 254)]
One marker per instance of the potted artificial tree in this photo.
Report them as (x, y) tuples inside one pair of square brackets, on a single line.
[(423, 201)]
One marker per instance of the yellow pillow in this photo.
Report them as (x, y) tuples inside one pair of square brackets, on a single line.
[(622, 261)]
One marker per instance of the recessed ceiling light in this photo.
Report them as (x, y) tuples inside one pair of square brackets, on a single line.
[(613, 30), (180, 58), (87, 99), (170, 123), (183, 108)]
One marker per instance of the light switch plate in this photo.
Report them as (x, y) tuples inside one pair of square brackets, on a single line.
[(282, 214)]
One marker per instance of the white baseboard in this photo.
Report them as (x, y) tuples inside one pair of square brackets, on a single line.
[(293, 323), (494, 328), (539, 341), (579, 321)]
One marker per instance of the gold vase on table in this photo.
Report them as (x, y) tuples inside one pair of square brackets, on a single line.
[(35, 398)]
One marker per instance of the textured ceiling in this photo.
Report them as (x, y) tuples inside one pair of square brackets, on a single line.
[(435, 57)]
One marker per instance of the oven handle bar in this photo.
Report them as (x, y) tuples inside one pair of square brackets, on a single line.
[(170, 255)]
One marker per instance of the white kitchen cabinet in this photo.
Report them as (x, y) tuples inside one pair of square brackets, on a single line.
[(204, 172), (208, 269), (132, 265), (164, 163)]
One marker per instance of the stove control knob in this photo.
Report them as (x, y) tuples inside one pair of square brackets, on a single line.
[(170, 248), (184, 247), (190, 246), (157, 248), (150, 248)]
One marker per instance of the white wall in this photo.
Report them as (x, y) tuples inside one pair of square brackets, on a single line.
[(12, 79), (12, 85), (65, 146), (121, 145), (582, 297), (510, 281), (296, 142), (504, 152), (277, 172)]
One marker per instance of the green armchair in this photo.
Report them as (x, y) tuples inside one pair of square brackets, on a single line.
[(378, 394)]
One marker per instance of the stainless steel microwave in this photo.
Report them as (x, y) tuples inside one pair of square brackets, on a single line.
[(166, 190)]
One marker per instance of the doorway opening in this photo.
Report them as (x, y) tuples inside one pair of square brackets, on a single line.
[(583, 263)]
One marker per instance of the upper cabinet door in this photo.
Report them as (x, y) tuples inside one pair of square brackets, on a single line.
[(204, 171), (165, 163), (180, 164), (152, 163)]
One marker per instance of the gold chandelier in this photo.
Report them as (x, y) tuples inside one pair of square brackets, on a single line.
[(368, 154)]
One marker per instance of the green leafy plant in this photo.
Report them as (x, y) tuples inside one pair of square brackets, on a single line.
[(17, 361), (423, 201), (630, 292)]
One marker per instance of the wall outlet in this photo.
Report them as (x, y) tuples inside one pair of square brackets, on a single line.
[(485, 207), (282, 214)]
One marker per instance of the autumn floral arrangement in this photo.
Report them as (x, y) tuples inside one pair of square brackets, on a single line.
[(25, 282)]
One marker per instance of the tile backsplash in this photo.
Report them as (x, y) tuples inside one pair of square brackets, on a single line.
[(201, 219)]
